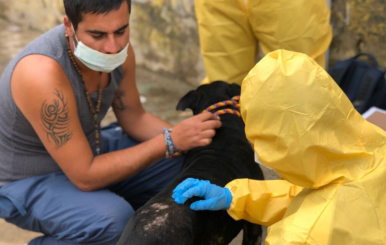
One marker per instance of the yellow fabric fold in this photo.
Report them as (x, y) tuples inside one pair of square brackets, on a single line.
[(230, 33), (260, 202), (302, 125)]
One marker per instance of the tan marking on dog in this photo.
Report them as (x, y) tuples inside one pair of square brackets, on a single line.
[(158, 221), (160, 206)]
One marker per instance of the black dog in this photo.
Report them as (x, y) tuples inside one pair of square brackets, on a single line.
[(161, 221)]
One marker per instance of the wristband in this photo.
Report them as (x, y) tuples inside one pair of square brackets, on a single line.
[(169, 143), (171, 152)]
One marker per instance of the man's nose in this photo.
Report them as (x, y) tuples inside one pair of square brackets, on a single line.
[(111, 45)]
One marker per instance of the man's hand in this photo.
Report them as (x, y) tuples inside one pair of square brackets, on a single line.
[(195, 131)]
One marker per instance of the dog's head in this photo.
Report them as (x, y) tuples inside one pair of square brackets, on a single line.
[(206, 95)]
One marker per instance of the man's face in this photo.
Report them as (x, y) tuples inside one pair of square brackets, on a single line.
[(106, 33)]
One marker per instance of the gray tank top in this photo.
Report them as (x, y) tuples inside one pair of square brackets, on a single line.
[(22, 154)]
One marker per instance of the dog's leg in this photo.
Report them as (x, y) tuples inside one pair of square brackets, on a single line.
[(252, 234)]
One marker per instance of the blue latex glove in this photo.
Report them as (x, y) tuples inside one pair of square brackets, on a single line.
[(216, 197)]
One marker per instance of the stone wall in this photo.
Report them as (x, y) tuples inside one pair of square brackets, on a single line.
[(41, 15), (166, 39), (359, 26), (164, 32)]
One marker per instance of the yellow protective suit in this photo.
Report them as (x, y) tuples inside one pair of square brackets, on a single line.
[(230, 32), (301, 124)]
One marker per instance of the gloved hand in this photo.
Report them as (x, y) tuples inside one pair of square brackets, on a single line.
[(216, 197)]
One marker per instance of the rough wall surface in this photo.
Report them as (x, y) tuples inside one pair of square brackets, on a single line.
[(359, 26), (164, 32), (41, 15), (166, 39)]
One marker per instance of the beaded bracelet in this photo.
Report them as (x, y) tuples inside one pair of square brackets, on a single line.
[(170, 149)]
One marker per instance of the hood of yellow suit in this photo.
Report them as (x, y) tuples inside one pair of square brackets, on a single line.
[(301, 124)]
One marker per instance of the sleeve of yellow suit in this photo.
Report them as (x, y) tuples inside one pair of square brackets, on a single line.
[(261, 202), (227, 43)]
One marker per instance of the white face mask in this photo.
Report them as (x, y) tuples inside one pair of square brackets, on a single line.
[(98, 61)]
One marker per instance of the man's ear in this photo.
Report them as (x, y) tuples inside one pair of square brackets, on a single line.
[(68, 26), (234, 89), (188, 101)]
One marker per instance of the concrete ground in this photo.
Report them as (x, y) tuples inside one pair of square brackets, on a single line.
[(161, 99)]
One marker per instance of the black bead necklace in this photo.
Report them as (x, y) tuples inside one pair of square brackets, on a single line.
[(90, 105)]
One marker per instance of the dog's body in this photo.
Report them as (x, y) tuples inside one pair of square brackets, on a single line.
[(161, 221)]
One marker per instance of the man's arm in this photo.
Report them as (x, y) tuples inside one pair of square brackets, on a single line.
[(133, 119), (43, 93)]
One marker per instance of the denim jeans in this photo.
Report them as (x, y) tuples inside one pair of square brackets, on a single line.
[(52, 205)]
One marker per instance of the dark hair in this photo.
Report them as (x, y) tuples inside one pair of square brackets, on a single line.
[(76, 8)]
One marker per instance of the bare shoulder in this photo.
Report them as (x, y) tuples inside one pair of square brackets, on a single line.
[(36, 76), (42, 91), (35, 70)]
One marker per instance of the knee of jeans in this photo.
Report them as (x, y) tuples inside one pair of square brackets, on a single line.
[(7, 208), (122, 218), (117, 223), (104, 228)]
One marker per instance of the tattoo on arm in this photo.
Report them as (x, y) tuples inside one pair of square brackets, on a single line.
[(56, 121), (118, 100)]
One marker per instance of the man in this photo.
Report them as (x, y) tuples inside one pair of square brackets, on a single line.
[(232, 30), (59, 174)]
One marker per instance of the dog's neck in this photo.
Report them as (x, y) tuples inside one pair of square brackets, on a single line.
[(231, 106), (230, 133)]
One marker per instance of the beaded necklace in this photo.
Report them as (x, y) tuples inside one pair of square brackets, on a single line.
[(234, 102), (90, 105)]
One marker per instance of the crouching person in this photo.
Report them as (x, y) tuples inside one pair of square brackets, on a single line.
[(333, 161), (60, 174)]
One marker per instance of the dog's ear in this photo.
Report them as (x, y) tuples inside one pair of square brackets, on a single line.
[(188, 101), (234, 89)]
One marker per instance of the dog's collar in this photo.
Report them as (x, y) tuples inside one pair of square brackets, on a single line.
[(234, 102)]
